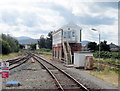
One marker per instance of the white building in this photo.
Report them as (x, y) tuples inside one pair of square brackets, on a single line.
[(27, 46), (37, 47)]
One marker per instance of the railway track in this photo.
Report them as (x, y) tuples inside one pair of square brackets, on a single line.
[(16, 60), (63, 80), (19, 61)]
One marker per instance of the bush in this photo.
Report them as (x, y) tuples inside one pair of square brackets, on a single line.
[(9, 44), (45, 50), (106, 54), (5, 47)]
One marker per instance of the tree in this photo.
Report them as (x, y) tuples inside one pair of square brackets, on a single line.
[(92, 46), (41, 42), (21, 46), (49, 41), (104, 46), (5, 47), (46, 42), (9, 44), (33, 46), (14, 45)]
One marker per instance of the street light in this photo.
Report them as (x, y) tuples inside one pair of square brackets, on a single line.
[(99, 48)]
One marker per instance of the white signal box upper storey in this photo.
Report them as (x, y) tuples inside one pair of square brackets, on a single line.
[(70, 32)]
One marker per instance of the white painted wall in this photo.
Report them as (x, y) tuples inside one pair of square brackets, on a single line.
[(57, 39), (71, 33), (71, 27), (79, 58)]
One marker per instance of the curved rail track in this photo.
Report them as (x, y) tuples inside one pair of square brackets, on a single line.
[(63, 80), (18, 61), (21, 62)]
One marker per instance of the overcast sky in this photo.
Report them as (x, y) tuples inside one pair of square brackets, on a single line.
[(33, 18)]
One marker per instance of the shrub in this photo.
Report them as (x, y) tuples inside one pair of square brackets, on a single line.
[(106, 54)]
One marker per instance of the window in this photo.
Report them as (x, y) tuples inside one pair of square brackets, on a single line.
[(73, 34), (69, 34), (65, 34)]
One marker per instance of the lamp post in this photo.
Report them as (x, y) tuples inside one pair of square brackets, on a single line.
[(99, 48)]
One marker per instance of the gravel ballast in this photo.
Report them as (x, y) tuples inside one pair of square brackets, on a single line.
[(31, 76), (34, 76), (86, 79)]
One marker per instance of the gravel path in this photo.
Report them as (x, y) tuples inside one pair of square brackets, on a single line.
[(31, 76)]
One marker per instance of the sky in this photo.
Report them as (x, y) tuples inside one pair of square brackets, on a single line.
[(33, 18)]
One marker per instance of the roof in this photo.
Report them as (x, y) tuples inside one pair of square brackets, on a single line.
[(113, 45), (69, 25)]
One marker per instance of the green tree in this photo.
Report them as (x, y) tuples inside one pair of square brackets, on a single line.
[(9, 43), (41, 42), (49, 40), (5, 47), (33, 46), (14, 45), (104, 46), (0, 46), (21, 46), (45, 42), (92, 46)]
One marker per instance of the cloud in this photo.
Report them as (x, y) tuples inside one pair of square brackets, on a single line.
[(109, 33), (88, 20), (108, 4), (33, 18)]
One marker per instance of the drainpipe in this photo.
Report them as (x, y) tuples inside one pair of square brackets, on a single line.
[(80, 35)]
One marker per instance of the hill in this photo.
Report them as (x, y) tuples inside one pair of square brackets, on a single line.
[(26, 40)]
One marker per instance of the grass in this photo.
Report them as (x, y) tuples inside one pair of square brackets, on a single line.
[(108, 60), (10, 56), (44, 51), (47, 53), (106, 75)]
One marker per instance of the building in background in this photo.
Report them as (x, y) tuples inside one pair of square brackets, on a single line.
[(114, 48), (27, 46), (65, 42), (37, 47)]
